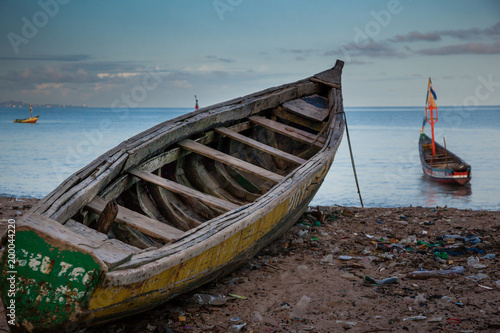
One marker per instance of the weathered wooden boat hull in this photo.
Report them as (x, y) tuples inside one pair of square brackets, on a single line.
[(448, 169), (195, 272), (69, 274), (30, 120)]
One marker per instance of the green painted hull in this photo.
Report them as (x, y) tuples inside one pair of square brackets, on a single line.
[(51, 282)]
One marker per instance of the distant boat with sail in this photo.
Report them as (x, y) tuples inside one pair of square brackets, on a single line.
[(30, 120), (439, 163)]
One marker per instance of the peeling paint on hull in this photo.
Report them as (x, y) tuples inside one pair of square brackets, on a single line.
[(52, 283)]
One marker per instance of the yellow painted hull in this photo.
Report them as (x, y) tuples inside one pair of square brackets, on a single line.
[(30, 120), (111, 302)]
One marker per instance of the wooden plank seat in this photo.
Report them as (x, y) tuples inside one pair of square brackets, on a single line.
[(230, 160), (184, 190), (138, 221), (285, 114), (288, 131), (259, 145), (430, 158), (437, 155), (312, 107)]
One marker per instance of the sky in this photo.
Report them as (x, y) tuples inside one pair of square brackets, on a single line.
[(157, 53)]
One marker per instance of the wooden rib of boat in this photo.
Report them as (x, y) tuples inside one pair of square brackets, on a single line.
[(444, 166), (174, 207)]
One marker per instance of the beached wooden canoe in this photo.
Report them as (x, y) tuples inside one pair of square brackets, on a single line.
[(444, 166), (174, 207)]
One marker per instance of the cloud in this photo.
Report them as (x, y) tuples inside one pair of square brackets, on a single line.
[(370, 49), (299, 54), (57, 74), (296, 51), (49, 74), (101, 83), (182, 84), (218, 59), (112, 72), (49, 88), (462, 34), (69, 58), (474, 33), (468, 48), (417, 36), (387, 48)]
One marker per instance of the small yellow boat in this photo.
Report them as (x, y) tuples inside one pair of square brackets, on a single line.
[(30, 120)]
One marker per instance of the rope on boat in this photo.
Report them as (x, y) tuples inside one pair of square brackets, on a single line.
[(337, 109), (352, 160)]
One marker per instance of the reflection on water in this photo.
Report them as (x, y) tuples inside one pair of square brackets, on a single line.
[(435, 192)]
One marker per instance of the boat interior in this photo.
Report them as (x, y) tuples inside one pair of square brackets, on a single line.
[(443, 159), (200, 178)]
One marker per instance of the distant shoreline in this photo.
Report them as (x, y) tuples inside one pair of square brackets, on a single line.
[(22, 105)]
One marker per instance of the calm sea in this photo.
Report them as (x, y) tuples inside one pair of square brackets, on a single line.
[(35, 158)]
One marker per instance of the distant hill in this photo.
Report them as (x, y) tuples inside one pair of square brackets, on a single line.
[(23, 104)]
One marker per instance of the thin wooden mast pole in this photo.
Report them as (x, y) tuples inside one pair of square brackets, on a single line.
[(445, 152), (431, 106), (432, 130)]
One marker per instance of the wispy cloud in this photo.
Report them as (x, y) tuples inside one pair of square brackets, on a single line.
[(299, 54), (296, 51), (462, 34), (468, 48), (395, 48), (417, 36), (88, 72), (219, 59), (69, 58), (371, 48)]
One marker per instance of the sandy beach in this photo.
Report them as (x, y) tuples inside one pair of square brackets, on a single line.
[(345, 269)]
